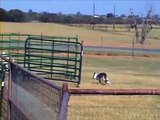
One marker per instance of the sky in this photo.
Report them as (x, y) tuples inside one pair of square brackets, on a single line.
[(102, 7)]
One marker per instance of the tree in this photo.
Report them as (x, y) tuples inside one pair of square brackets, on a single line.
[(78, 14), (44, 17), (3, 15), (33, 15), (30, 11), (156, 18), (146, 27), (123, 16), (16, 15), (52, 17), (68, 19), (110, 15)]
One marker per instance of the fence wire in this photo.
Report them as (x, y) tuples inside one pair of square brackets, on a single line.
[(3, 92), (4, 110), (16, 114), (112, 113), (38, 99), (91, 107)]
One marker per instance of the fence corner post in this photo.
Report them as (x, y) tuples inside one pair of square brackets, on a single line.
[(64, 102), (64, 87)]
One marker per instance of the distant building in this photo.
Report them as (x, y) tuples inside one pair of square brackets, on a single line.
[(35, 21)]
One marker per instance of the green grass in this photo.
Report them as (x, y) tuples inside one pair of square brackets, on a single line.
[(112, 113), (123, 72)]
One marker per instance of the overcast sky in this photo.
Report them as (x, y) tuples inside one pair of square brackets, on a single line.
[(84, 6)]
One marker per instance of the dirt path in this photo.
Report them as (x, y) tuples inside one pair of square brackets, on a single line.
[(101, 55)]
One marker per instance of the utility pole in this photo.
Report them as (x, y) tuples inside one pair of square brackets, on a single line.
[(114, 17), (93, 16)]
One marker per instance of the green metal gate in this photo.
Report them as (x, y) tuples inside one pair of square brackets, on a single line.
[(57, 58)]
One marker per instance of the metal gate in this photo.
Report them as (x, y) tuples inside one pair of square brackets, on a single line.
[(58, 58)]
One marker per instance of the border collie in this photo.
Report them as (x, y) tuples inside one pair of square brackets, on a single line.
[(101, 77)]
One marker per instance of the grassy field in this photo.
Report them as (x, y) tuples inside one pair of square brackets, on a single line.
[(123, 71), (89, 36)]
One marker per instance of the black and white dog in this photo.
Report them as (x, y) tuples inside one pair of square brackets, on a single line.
[(102, 78)]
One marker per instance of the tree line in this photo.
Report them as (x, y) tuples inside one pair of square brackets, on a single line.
[(16, 15)]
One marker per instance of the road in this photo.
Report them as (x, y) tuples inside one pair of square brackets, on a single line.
[(120, 49)]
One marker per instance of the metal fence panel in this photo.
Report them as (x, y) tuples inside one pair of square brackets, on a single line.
[(57, 59), (3, 91), (39, 99)]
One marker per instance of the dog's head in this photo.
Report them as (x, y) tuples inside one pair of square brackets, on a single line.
[(108, 81)]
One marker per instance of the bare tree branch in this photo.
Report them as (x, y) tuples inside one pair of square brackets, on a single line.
[(135, 26)]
